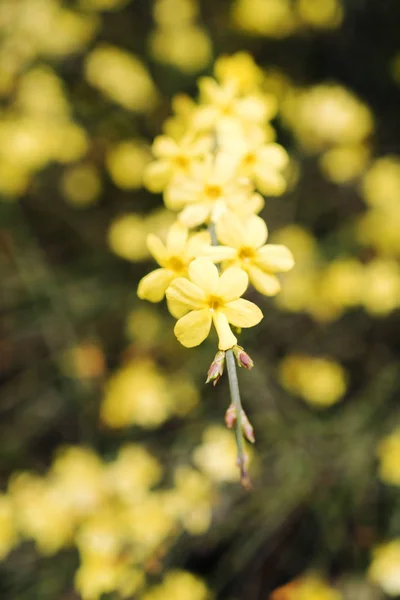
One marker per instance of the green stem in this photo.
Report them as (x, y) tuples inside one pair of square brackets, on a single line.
[(235, 396), (236, 401)]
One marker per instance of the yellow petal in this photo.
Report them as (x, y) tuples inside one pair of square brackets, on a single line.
[(275, 258), (186, 293), (156, 176), (164, 146), (195, 214), (220, 253), (256, 232), (157, 249), (197, 244), (152, 287), (232, 284), (193, 328), (230, 230), (242, 313), (265, 283), (176, 238), (176, 308), (273, 155), (269, 181), (226, 339), (204, 274)]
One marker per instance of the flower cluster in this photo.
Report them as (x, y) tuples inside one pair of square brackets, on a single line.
[(215, 160), (116, 514)]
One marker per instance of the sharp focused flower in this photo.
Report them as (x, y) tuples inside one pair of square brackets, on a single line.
[(206, 298), (244, 246), (173, 259)]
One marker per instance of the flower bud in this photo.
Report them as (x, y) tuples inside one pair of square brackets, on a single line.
[(216, 368), (242, 358), (246, 426), (230, 416)]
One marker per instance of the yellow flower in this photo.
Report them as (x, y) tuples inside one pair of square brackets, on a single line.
[(205, 193), (173, 259), (261, 162), (244, 246), (319, 381), (385, 567), (389, 455), (207, 298), (173, 158), (221, 103), (240, 68)]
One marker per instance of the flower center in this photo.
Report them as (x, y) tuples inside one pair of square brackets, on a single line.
[(249, 159), (214, 302), (246, 253), (181, 161), (213, 191), (176, 264)]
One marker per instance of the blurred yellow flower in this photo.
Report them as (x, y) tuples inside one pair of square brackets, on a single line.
[(207, 298), (137, 394), (320, 13), (239, 68), (244, 246), (173, 158), (216, 455), (389, 458), (8, 534), (122, 77), (309, 587), (188, 48), (327, 114), (173, 258), (343, 164), (319, 381), (81, 185), (385, 567), (126, 163), (190, 501), (179, 585), (131, 475), (272, 18), (381, 184), (382, 287)]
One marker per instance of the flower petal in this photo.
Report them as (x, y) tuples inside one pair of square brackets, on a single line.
[(176, 238), (242, 313), (265, 283), (275, 258), (195, 214), (204, 274), (273, 155), (157, 175), (164, 146), (197, 244), (232, 284), (186, 293), (230, 230), (157, 249), (152, 287), (220, 253), (226, 339), (256, 232), (269, 181), (193, 328)]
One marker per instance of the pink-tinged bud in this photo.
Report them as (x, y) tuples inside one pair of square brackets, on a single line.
[(247, 428), (230, 416), (242, 358), (216, 368), (242, 463)]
